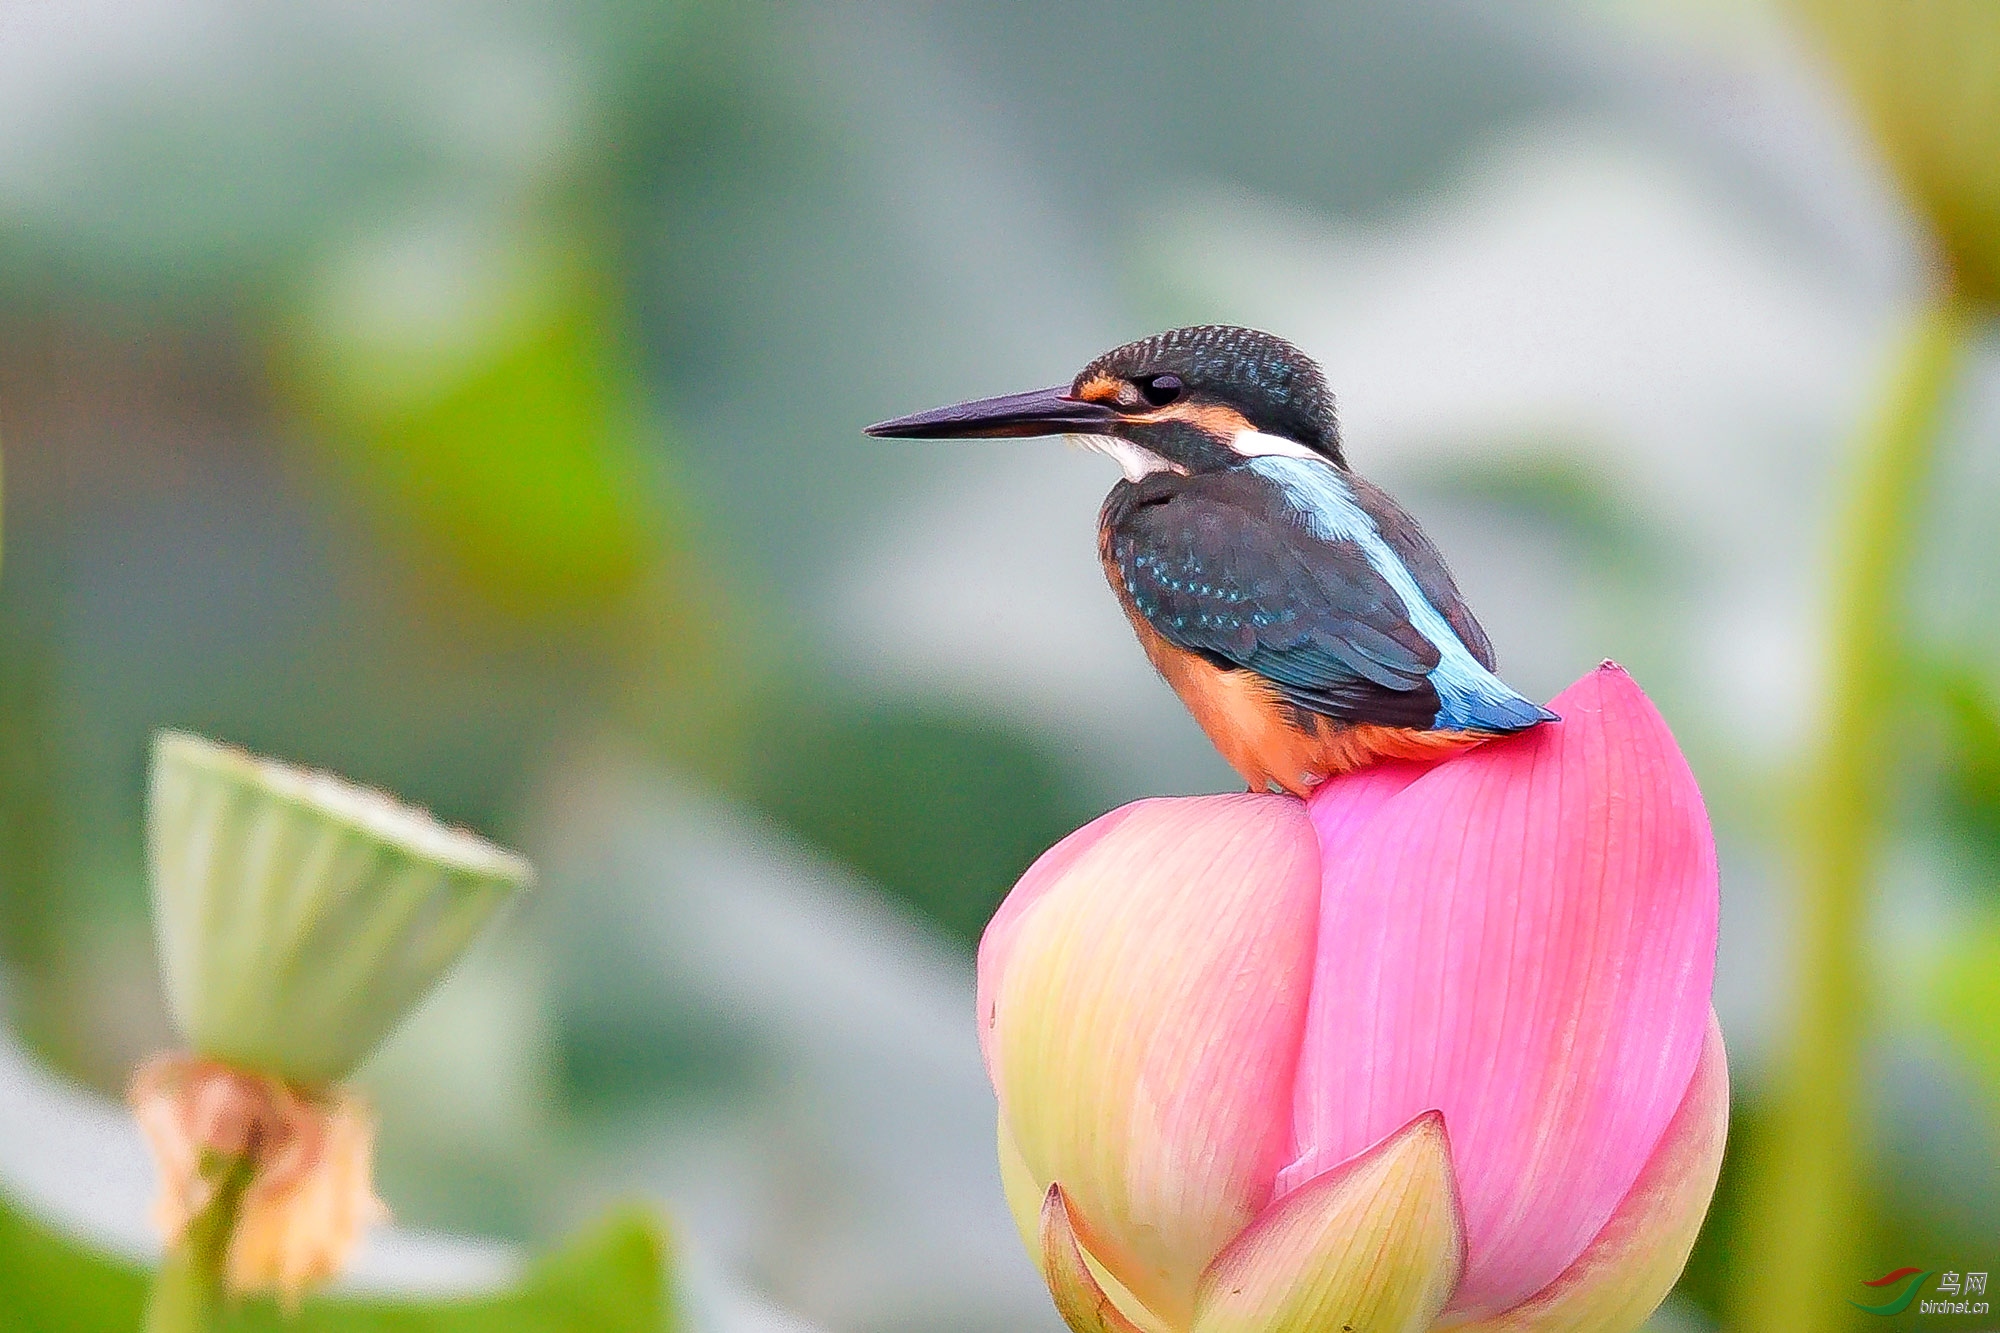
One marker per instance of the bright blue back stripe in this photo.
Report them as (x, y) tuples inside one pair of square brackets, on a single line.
[(1470, 698)]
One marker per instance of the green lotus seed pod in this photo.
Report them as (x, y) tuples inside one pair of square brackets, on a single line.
[(301, 917)]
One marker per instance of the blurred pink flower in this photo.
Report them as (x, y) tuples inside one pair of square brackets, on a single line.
[(1432, 1050)]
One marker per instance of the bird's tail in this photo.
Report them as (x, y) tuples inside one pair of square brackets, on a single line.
[(1500, 714)]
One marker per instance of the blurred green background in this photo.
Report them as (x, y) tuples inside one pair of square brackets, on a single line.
[(466, 398)]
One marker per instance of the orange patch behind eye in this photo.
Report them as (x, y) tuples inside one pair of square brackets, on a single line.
[(1212, 419)]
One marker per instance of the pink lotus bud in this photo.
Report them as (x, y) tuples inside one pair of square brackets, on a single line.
[(1433, 1050)]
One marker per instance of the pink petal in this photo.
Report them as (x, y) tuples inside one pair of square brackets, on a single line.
[(1342, 808), (1148, 1012), (1524, 939), (1624, 1274)]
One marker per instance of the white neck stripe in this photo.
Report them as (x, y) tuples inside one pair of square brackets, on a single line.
[(1256, 444)]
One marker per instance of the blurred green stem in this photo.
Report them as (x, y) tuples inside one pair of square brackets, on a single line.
[(187, 1292), (1805, 1211)]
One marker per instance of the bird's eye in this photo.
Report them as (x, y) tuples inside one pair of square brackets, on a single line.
[(1159, 390)]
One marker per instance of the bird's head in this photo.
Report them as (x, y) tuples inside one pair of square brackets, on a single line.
[(1188, 400)]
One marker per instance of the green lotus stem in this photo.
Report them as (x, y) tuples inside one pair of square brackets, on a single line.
[(187, 1292), (1804, 1210)]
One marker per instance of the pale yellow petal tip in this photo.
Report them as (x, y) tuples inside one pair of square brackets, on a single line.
[(1080, 1299), (310, 1196), (1376, 1243), (365, 810)]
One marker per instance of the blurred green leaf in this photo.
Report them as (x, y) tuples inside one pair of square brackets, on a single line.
[(1967, 710), (1963, 998), (943, 811), (611, 1279), (475, 390), (49, 1283)]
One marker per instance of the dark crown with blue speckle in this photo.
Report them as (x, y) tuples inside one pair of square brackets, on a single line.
[(1277, 387)]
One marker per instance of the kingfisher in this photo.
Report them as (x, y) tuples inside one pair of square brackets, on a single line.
[(1298, 611)]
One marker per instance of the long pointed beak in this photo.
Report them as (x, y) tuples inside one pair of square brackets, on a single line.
[(1040, 412)]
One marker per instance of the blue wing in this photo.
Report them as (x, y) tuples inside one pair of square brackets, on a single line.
[(1217, 570), (1282, 571)]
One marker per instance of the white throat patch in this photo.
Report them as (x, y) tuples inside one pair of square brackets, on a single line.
[(1132, 459), (1256, 444)]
